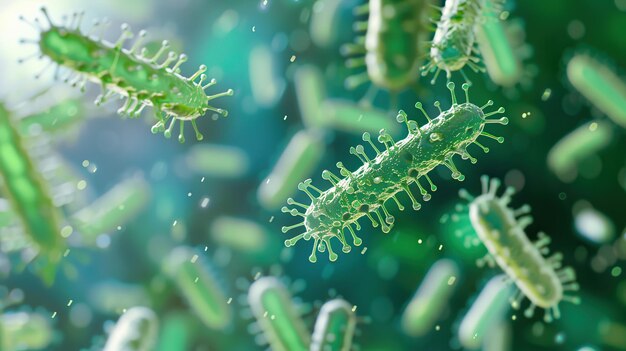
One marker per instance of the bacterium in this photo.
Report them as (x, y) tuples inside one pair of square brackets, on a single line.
[(242, 235), (334, 327), (501, 229), (365, 191), (277, 316), (502, 48), (565, 156), (136, 330), (319, 112), (431, 298), (454, 44), (191, 273), (144, 80), (392, 46), (599, 84), (299, 159), (55, 118), (29, 195), (217, 161), (115, 208), (486, 312), (324, 22), (265, 79)]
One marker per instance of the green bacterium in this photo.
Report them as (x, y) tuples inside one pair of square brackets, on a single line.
[(319, 112), (144, 80), (599, 84), (28, 193), (324, 25), (392, 46), (454, 43), (351, 117), (114, 297), (277, 316), (240, 234), (217, 161), (366, 191), (310, 90), (334, 327), (299, 159), (136, 330), (192, 274), (113, 209), (265, 79), (501, 45), (542, 280), (431, 298), (486, 312), (579, 145), (53, 119)]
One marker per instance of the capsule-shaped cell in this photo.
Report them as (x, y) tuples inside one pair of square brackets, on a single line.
[(431, 298), (299, 159), (599, 84), (217, 161), (136, 330), (334, 327), (579, 145), (265, 80), (486, 313), (190, 271), (277, 317), (114, 208)]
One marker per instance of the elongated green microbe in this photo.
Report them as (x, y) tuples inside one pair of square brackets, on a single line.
[(319, 112), (366, 191), (56, 118), (136, 330), (393, 45), (217, 161), (585, 141), (324, 22), (599, 84), (276, 316), (240, 234), (311, 92), (431, 298), (115, 208), (486, 312), (347, 116), (334, 327), (189, 269), (299, 159), (453, 46), (27, 192), (265, 80), (501, 52), (542, 280), (115, 297), (25, 331), (143, 80)]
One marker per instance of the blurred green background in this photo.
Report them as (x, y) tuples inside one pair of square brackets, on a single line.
[(124, 268)]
